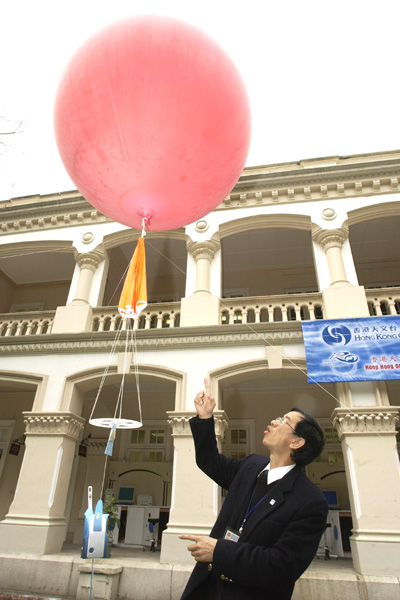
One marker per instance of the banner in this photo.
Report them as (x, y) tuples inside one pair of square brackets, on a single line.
[(352, 349)]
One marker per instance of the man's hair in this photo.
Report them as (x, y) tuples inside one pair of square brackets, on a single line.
[(308, 429)]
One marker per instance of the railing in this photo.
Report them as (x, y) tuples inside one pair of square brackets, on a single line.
[(383, 301), (256, 309), (32, 323), (272, 309), (155, 316)]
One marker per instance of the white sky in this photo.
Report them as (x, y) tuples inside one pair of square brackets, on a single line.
[(322, 76)]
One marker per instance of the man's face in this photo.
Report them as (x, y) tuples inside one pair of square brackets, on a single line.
[(279, 434)]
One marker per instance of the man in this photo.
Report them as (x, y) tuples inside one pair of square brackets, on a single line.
[(267, 532)]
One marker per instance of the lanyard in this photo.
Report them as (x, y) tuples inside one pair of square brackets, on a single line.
[(250, 511)]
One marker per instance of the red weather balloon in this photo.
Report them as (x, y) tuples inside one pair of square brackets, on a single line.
[(152, 120)]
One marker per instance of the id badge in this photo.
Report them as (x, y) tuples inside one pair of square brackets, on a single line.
[(231, 534)]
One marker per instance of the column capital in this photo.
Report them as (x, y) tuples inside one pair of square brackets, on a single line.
[(54, 423), (206, 249), (89, 260), (179, 422), (330, 238), (379, 420)]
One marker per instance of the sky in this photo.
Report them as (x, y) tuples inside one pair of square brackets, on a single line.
[(322, 76)]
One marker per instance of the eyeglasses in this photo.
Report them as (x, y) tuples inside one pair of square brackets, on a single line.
[(282, 421)]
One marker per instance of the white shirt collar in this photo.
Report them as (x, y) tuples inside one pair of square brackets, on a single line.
[(277, 473)]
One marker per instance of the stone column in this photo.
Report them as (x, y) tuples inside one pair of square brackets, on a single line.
[(341, 299), (195, 498), (36, 523), (368, 437), (332, 241), (88, 264), (77, 316), (201, 308)]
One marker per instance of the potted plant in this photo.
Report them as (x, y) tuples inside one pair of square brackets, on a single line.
[(110, 508)]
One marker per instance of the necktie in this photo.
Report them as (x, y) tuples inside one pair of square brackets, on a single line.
[(261, 488)]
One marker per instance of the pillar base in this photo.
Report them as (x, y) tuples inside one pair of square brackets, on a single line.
[(32, 535), (73, 318), (345, 302), (102, 586), (375, 553), (202, 308)]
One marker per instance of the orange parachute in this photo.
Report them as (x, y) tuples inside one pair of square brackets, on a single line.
[(134, 293)]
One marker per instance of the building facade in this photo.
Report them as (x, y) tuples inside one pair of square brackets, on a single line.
[(316, 239)]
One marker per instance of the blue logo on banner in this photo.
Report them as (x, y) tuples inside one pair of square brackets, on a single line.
[(336, 335)]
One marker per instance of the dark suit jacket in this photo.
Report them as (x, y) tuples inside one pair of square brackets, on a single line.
[(279, 540)]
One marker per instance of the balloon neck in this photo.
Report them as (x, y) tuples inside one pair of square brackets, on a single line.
[(146, 216), (144, 213)]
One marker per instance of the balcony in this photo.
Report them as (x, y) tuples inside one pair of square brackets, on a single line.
[(272, 309), (383, 301), (233, 311)]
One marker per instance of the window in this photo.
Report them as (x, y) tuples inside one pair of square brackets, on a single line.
[(157, 436), (238, 455), (23, 308), (136, 456), (137, 436), (335, 458), (239, 438), (155, 456), (149, 444)]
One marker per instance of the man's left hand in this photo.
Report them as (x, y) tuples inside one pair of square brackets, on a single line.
[(203, 548)]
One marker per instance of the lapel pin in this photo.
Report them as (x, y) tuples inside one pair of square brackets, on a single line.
[(272, 502)]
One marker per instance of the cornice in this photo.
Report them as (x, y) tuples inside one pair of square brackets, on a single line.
[(69, 210), (377, 420), (179, 421), (330, 238), (178, 338), (205, 249), (54, 423), (304, 181), (314, 180), (90, 260)]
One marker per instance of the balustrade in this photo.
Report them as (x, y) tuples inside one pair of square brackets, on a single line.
[(271, 309), (383, 301), (155, 316), (233, 311), (32, 323)]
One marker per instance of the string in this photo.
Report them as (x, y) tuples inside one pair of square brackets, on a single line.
[(62, 248), (166, 257), (287, 358), (105, 373), (266, 342), (122, 386), (310, 378), (136, 368), (91, 581), (104, 476), (119, 282)]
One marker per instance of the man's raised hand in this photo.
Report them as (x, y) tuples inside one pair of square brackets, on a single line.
[(204, 402)]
